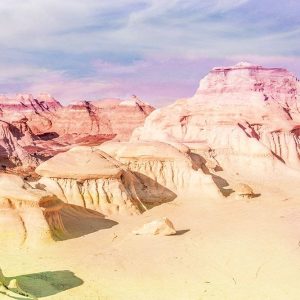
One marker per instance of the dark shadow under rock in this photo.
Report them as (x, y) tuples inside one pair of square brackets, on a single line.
[(79, 221)]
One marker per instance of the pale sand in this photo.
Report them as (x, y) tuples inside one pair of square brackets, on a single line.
[(226, 249)]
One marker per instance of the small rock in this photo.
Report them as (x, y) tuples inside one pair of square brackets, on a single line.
[(161, 226), (243, 191)]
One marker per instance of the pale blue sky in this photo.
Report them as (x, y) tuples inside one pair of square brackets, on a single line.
[(157, 49)]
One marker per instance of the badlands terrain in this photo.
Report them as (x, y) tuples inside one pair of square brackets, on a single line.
[(113, 199)]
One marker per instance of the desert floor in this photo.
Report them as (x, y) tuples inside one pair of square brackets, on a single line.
[(225, 249)]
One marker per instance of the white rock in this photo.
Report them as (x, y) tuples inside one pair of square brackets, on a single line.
[(161, 226)]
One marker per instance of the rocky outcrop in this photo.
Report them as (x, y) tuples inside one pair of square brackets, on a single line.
[(44, 114), (81, 119), (44, 127), (244, 117), (12, 154), (164, 168), (47, 127), (125, 115), (88, 118), (13, 109), (28, 216), (92, 179)]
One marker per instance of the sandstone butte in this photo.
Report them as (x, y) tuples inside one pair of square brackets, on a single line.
[(243, 118), (223, 166)]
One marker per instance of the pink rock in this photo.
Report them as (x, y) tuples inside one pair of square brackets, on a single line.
[(48, 127), (11, 152)]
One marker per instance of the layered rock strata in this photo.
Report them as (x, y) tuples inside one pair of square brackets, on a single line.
[(92, 179), (164, 168), (245, 118)]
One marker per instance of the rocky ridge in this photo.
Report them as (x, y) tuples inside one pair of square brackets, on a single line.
[(43, 127)]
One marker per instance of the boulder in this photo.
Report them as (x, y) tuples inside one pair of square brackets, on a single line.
[(161, 226)]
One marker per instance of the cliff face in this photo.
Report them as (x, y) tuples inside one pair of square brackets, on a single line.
[(22, 104), (44, 114), (92, 179), (12, 154), (238, 113), (128, 178), (162, 167), (32, 217), (43, 127)]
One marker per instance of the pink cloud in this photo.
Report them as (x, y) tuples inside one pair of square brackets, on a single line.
[(158, 80)]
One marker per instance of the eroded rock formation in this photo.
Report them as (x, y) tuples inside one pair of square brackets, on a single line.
[(91, 178), (43, 127), (164, 168), (12, 153), (245, 118), (28, 216)]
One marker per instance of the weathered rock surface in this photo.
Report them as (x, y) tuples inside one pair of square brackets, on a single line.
[(12, 154), (245, 118), (27, 216), (43, 127), (92, 179), (44, 115), (164, 168), (127, 116), (162, 226), (16, 108)]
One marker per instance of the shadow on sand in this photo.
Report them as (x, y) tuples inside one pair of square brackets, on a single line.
[(43, 284), (79, 221), (201, 163), (181, 232)]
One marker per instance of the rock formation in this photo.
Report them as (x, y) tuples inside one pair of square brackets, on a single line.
[(164, 168), (44, 115), (14, 109), (244, 118), (12, 154), (243, 191), (92, 179), (162, 226), (127, 116), (27, 216), (43, 127), (124, 178)]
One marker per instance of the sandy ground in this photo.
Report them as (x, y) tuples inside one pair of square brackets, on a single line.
[(225, 249)]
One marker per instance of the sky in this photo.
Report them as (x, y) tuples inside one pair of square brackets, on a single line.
[(155, 49)]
